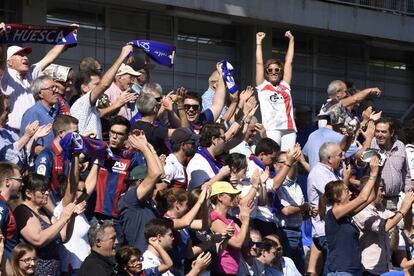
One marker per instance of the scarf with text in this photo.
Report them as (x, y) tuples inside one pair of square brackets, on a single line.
[(24, 33), (162, 53)]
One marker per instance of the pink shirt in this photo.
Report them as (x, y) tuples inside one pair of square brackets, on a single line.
[(228, 260), (113, 93)]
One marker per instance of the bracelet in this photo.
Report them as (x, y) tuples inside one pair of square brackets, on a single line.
[(372, 177), (258, 44), (286, 164), (399, 212)]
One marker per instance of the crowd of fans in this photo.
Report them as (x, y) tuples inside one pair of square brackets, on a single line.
[(103, 173)]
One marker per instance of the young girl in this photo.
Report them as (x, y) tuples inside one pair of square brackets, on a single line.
[(24, 260)]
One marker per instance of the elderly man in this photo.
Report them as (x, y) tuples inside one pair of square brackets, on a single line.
[(208, 96), (45, 91), (102, 238), (340, 99), (18, 75), (120, 87), (331, 157), (396, 172), (84, 109)]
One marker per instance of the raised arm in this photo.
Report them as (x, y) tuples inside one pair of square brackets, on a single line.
[(287, 69), (72, 181), (166, 259), (138, 141), (109, 76), (188, 218), (259, 58), (292, 156), (219, 95), (53, 53), (364, 198), (360, 96)]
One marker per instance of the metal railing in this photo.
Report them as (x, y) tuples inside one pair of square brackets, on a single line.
[(394, 6)]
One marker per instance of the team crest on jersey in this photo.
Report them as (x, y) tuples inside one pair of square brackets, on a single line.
[(120, 167), (276, 97), (43, 159)]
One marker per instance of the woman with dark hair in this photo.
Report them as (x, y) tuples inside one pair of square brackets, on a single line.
[(24, 260), (342, 235), (273, 86), (38, 228)]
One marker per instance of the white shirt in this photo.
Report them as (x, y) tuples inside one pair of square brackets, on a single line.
[(276, 106), (263, 213), (290, 194), (243, 148), (199, 171), (288, 268), (19, 93), (89, 116), (409, 149), (74, 252), (150, 261), (319, 176), (174, 170)]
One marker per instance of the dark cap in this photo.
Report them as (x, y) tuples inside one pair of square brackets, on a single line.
[(137, 173), (181, 135)]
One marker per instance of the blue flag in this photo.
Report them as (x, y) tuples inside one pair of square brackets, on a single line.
[(227, 69), (23, 33), (162, 53)]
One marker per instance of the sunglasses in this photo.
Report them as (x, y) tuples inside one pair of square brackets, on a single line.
[(195, 107), (158, 99), (273, 70)]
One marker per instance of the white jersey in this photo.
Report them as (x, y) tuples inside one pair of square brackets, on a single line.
[(276, 106)]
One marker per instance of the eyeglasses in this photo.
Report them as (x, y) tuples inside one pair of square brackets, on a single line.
[(114, 133), (195, 107), (222, 137), (17, 178), (27, 261), (42, 191), (135, 261), (273, 70), (52, 88)]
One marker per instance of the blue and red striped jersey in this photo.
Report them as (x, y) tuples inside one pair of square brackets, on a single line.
[(112, 178)]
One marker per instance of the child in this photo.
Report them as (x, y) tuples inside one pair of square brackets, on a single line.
[(159, 235)]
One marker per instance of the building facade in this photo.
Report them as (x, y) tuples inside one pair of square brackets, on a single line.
[(368, 42)]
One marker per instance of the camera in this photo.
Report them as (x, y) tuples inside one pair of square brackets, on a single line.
[(369, 153)]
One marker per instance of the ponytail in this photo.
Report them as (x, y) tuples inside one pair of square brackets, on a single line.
[(322, 207)]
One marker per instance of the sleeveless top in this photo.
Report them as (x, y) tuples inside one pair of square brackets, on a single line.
[(228, 260), (48, 256)]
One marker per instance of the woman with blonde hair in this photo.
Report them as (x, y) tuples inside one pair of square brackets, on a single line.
[(24, 260)]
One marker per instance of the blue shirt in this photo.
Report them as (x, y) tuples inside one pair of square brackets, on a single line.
[(207, 101), (8, 147), (320, 136), (44, 115)]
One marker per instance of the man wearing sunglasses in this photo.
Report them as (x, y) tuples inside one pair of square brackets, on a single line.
[(192, 105), (10, 184), (45, 91)]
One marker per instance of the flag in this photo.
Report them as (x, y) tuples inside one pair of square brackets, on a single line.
[(162, 53), (227, 74)]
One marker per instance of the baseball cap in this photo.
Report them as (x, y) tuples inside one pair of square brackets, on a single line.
[(137, 173), (181, 135), (223, 187), (126, 69), (12, 50)]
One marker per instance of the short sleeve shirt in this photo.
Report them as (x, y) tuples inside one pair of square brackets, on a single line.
[(199, 171), (89, 116), (133, 215), (175, 173), (276, 106), (8, 227), (113, 93), (19, 93)]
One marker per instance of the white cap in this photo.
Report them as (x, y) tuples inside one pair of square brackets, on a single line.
[(126, 69), (12, 50)]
